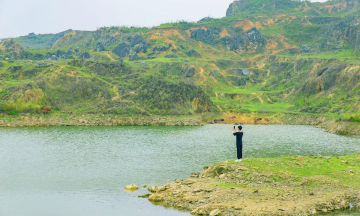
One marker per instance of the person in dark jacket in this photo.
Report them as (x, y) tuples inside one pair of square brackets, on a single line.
[(239, 134)]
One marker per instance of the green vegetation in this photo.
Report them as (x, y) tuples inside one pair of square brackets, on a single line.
[(299, 167), (355, 118), (303, 59)]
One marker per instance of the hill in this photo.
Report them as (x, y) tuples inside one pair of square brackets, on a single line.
[(274, 56)]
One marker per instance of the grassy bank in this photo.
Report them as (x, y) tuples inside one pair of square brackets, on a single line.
[(293, 185)]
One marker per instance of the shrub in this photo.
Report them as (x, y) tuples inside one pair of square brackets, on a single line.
[(30, 101), (13, 112), (355, 118)]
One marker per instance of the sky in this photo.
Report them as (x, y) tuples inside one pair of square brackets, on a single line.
[(21, 17)]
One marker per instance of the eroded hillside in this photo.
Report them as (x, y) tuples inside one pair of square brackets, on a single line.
[(265, 56)]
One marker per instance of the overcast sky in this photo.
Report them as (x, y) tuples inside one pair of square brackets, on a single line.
[(20, 17)]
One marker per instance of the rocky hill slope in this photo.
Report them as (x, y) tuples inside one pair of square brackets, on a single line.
[(265, 56)]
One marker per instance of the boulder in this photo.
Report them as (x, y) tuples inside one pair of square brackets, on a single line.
[(153, 189), (155, 198), (171, 56), (244, 72), (60, 53), (69, 54), (132, 187), (190, 72), (193, 53), (305, 48), (99, 47), (84, 55), (122, 50), (162, 48), (255, 39), (54, 57)]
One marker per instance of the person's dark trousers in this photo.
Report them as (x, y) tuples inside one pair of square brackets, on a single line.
[(239, 150)]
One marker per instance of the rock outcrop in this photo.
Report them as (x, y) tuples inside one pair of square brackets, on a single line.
[(190, 72), (122, 50), (99, 47)]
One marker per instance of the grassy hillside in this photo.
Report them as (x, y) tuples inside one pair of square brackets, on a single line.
[(265, 56)]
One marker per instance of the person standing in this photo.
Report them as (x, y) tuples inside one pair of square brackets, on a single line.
[(239, 134)]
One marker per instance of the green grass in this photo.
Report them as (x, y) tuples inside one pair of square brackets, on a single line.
[(336, 168)]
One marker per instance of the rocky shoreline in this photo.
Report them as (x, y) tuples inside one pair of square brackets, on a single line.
[(39, 120), (330, 124), (280, 186), (340, 127)]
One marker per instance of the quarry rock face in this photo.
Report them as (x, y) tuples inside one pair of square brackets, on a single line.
[(250, 40)]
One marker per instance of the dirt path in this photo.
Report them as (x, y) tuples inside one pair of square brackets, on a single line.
[(109, 56), (202, 75), (261, 100)]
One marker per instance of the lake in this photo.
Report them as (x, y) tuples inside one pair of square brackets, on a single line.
[(76, 171)]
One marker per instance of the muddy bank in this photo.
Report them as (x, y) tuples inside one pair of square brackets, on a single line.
[(282, 186), (38, 120)]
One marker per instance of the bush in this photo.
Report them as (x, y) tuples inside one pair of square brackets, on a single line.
[(29, 102), (355, 118), (1, 64), (13, 112)]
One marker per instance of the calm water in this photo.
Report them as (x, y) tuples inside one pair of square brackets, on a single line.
[(74, 171)]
